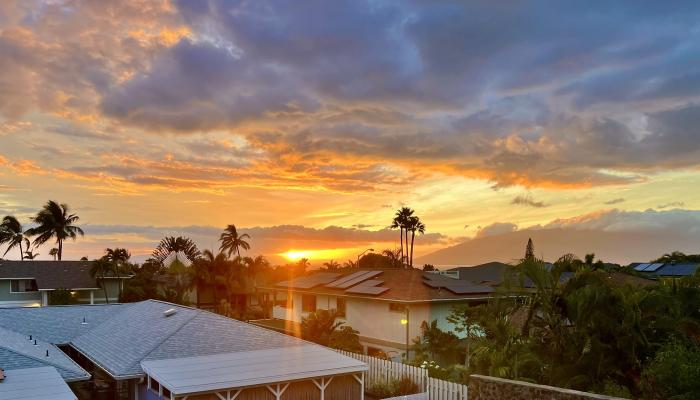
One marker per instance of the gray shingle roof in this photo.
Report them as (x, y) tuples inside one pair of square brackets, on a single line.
[(51, 274), (222, 335), (57, 324), (19, 351), (128, 336), (119, 337)]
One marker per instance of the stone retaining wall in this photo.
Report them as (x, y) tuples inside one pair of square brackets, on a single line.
[(490, 388)]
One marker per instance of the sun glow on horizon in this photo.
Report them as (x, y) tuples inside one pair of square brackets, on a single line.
[(317, 255)]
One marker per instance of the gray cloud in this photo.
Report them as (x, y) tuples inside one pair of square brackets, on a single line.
[(527, 200), (615, 201), (534, 94), (673, 204), (497, 228)]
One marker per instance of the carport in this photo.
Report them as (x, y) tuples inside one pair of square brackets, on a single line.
[(305, 371)]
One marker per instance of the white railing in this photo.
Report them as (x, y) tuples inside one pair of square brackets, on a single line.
[(385, 370)]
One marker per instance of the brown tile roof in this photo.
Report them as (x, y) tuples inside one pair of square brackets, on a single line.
[(51, 274), (404, 285)]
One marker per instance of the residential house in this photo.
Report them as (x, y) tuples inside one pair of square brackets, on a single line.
[(32, 283), (665, 270), (157, 350), (387, 307)]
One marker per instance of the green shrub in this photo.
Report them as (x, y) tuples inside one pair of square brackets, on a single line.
[(393, 388)]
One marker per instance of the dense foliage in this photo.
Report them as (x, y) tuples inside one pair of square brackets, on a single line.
[(572, 325), (323, 327)]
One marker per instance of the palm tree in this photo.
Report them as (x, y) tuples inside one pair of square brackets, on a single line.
[(319, 326), (206, 270), (414, 224), (53, 252), (30, 254), (54, 220), (332, 265), (99, 270), (232, 242), (118, 257), (401, 221), (178, 244), (12, 234)]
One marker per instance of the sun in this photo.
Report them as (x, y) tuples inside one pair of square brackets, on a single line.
[(296, 255)]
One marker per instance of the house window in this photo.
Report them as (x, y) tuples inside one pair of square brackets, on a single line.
[(396, 307), (340, 307), (308, 303), (23, 285)]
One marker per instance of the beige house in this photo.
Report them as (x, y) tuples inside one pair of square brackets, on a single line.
[(387, 307)]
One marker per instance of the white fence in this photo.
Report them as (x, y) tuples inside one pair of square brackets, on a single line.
[(445, 390), (385, 370)]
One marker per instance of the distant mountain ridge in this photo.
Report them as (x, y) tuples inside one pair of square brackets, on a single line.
[(621, 247)]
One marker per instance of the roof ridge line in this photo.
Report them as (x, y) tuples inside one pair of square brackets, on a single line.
[(170, 335)]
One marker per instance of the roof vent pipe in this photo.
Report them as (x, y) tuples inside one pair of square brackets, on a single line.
[(169, 312), (47, 353), (84, 322), (30, 337), (35, 343)]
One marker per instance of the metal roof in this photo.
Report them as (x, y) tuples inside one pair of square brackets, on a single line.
[(34, 384), (250, 368)]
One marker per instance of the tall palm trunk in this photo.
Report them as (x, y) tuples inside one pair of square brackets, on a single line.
[(401, 230), (406, 236), (413, 236), (21, 252), (60, 249)]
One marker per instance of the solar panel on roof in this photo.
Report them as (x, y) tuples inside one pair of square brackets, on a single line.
[(640, 267), (471, 289), (346, 278), (352, 282), (310, 281), (369, 283), (653, 267), (368, 290)]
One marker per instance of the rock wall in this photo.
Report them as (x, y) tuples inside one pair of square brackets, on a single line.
[(489, 388)]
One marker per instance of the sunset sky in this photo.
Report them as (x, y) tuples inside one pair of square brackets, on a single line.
[(308, 123)]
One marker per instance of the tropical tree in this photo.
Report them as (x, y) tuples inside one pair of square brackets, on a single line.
[(401, 221), (332, 265), (319, 326), (30, 254), (206, 271), (119, 257), (12, 235), (232, 242), (414, 225), (178, 244), (350, 264), (53, 253), (55, 221), (99, 270), (529, 250)]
